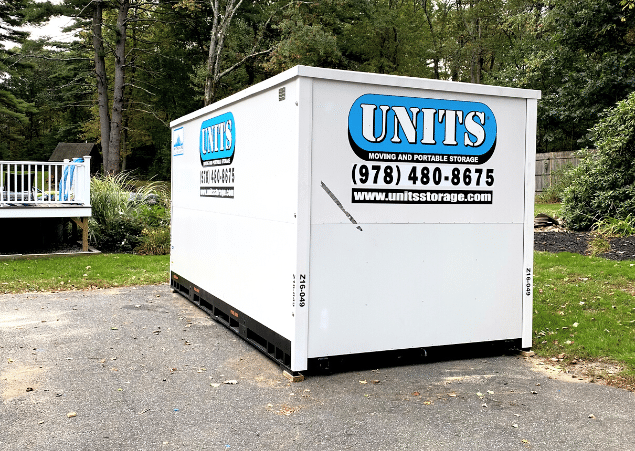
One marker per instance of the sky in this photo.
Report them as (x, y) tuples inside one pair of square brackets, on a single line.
[(52, 29)]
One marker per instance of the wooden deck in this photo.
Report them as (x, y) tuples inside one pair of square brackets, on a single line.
[(30, 189)]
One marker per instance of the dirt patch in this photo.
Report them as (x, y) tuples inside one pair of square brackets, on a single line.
[(17, 380), (252, 366), (582, 371)]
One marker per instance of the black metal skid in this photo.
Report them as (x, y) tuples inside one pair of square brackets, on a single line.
[(269, 342)]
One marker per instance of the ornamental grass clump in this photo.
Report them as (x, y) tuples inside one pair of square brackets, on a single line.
[(609, 228), (123, 209)]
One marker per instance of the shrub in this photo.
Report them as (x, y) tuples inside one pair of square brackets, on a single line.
[(554, 193), (156, 215), (155, 241), (120, 234), (123, 209), (603, 185)]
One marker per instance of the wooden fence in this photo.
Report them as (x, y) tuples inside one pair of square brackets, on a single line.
[(548, 166)]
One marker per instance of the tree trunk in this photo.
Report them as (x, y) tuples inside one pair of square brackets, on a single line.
[(132, 64), (435, 41), (479, 55), (210, 84), (114, 147), (220, 27), (102, 82)]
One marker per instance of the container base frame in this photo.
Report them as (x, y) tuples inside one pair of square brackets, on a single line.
[(267, 341), (278, 348)]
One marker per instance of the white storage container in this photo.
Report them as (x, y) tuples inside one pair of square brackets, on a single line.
[(324, 213)]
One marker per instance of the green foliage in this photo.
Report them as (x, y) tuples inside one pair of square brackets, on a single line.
[(580, 55), (554, 192), (155, 241), (608, 228), (123, 211), (13, 109), (603, 185), (119, 234), (613, 228), (303, 43), (155, 215), (52, 83)]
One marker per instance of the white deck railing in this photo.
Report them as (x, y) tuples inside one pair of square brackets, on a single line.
[(45, 183)]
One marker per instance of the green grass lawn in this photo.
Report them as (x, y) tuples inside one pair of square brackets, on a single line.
[(584, 307), (82, 272), (552, 210)]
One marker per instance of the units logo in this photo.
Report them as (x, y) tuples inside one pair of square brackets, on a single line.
[(391, 128), (217, 140)]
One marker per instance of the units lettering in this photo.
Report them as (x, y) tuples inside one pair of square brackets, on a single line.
[(473, 121)]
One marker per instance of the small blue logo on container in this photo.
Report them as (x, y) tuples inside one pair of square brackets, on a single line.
[(177, 139), (217, 140), (420, 130)]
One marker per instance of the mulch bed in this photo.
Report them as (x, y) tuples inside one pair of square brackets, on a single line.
[(577, 242)]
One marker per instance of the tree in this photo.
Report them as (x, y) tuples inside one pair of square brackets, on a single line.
[(305, 37), (581, 56), (437, 20), (223, 14), (13, 110), (108, 21), (54, 82), (101, 81)]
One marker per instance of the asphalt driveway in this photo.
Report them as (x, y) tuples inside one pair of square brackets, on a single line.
[(143, 369)]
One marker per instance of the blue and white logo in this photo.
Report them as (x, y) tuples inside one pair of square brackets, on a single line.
[(389, 128), (217, 140), (177, 139)]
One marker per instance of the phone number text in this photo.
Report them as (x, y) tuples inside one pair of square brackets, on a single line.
[(377, 174), (217, 176)]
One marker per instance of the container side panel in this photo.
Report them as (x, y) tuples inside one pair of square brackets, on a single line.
[(396, 286), (418, 218), (234, 194), (251, 274)]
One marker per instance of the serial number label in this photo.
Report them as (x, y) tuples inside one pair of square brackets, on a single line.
[(528, 282), (217, 176), (398, 174), (301, 290)]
